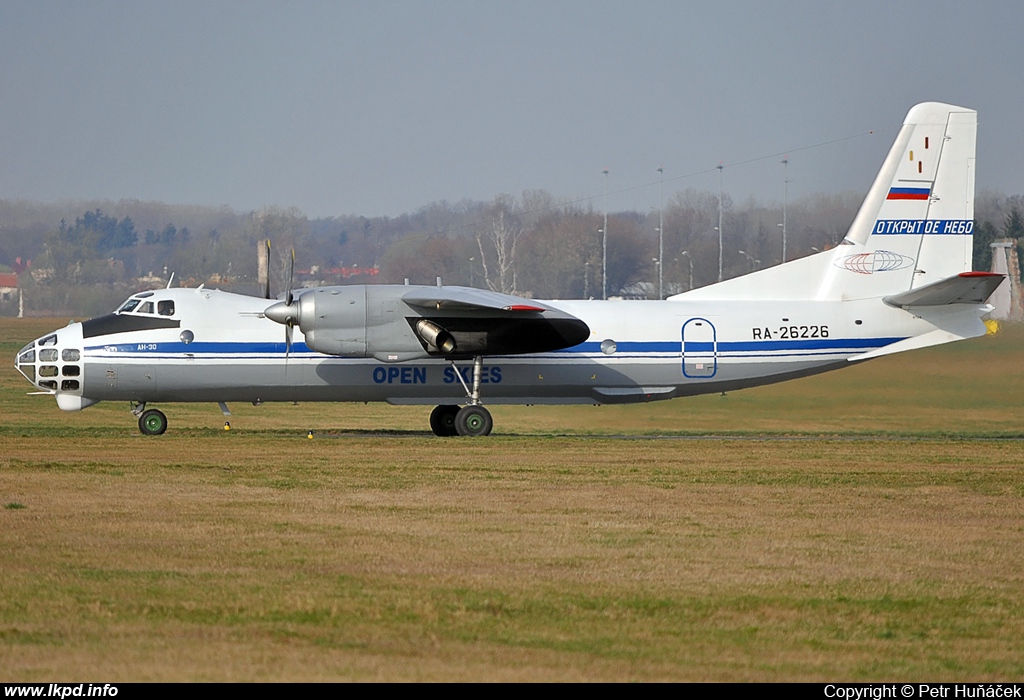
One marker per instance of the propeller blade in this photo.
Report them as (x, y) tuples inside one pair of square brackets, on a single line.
[(291, 275), (285, 312)]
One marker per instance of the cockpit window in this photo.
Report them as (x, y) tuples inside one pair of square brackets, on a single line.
[(164, 307), (49, 340)]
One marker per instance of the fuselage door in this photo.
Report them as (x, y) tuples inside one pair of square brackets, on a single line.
[(700, 349)]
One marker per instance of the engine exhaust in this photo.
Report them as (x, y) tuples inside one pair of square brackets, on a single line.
[(436, 337)]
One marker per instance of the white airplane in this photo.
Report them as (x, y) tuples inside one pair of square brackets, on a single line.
[(900, 280)]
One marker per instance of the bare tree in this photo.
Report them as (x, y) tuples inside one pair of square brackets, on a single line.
[(497, 241)]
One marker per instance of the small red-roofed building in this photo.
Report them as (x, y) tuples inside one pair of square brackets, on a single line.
[(8, 286)]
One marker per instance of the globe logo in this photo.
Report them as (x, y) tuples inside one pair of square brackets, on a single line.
[(874, 261)]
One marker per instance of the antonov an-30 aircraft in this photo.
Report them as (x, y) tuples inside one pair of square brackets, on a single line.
[(900, 280)]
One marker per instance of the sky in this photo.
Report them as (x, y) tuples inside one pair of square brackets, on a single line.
[(381, 108)]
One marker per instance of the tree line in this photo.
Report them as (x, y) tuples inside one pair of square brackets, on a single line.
[(85, 262)]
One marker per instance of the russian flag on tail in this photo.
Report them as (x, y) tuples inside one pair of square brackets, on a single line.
[(909, 193)]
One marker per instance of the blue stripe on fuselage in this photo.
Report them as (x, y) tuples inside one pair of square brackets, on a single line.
[(198, 348), (623, 348)]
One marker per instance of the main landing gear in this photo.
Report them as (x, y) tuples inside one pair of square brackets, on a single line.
[(471, 420), (151, 422)]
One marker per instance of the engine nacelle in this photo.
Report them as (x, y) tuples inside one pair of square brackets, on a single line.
[(356, 321), (333, 320)]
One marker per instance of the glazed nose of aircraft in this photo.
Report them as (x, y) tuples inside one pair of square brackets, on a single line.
[(54, 363)]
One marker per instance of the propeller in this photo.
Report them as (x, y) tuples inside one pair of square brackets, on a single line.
[(286, 312), (293, 317)]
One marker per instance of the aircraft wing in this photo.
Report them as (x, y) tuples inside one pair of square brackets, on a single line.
[(469, 299), (463, 322), (397, 323), (965, 288)]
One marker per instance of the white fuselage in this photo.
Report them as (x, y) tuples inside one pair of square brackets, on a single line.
[(217, 346)]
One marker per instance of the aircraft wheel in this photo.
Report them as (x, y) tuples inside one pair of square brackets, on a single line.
[(473, 421), (442, 420), (152, 422)]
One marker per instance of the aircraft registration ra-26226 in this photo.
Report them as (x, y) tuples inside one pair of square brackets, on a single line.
[(900, 280)]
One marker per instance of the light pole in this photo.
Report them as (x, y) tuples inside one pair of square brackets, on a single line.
[(471, 271), (720, 166), (689, 260), (785, 201), (586, 280), (604, 241), (753, 262), (661, 232), (657, 264)]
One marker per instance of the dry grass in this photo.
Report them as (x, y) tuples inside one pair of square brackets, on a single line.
[(543, 554)]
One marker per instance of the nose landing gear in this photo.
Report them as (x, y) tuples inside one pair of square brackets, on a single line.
[(152, 421)]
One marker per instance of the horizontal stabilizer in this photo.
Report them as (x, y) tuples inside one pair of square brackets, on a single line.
[(468, 299), (965, 288)]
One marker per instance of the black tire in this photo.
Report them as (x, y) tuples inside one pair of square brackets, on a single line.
[(152, 422), (442, 420), (473, 421)]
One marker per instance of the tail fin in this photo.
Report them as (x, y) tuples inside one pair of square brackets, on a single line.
[(915, 226)]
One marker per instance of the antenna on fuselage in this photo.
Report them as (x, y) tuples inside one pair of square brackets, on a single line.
[(170, 280)]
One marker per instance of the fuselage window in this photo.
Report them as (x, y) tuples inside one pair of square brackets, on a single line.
[(48, 355), (70, 355), (69, 385), (165, 307), (71, 370), (48, 371), (146, 308)]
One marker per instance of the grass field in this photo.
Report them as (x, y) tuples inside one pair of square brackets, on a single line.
[(861, 525)]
